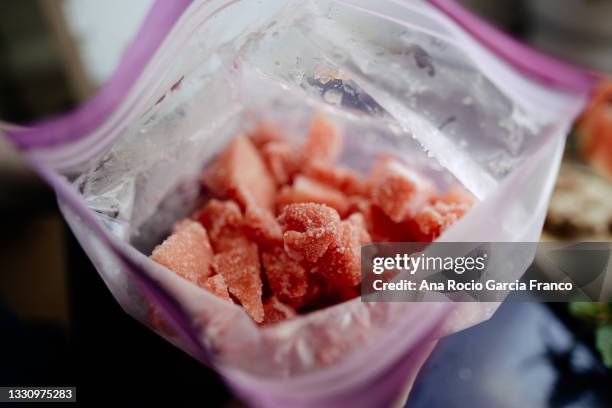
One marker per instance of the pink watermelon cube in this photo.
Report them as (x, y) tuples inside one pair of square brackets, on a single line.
[(187, 252)]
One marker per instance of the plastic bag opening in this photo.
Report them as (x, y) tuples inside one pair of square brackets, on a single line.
[(420, 87)]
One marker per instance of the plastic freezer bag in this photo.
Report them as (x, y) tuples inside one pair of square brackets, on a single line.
[(393, 76)]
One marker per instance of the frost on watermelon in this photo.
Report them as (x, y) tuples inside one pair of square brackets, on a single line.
[(225, 224), (435, 218), (338, 177), (459, 196), (308, 257), (276, 311), (240, 269), (361, 205), (341, 263), (240, 173), (282, 159), (324, 142), (307, 190), (262, 227), (357, 225), (399, 191), (216, 285), (287, 278), (308, 230), (187, 252)]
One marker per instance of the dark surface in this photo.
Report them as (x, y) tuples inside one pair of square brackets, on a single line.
[(32, 354), (523, 357), (107, 355)]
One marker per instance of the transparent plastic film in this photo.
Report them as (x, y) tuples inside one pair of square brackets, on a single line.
[(394, 77)]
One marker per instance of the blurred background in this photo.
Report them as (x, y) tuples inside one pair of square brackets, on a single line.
[(60, 326)]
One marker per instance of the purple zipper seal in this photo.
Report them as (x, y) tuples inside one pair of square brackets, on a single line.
[(546, 69)]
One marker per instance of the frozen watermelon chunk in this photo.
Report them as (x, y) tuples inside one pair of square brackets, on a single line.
[(363, 206), (217, 215), (314, 292), (341, 263), (308, 230), (240, 269), (341, 178), (282, 159), (231, 240), (216, 285), (276, 311), (324, 141), (187, 252), (287, 278), (224, 223), (399, 191), (264, 133), (307, 190), (262, 227), (434, 219), (241, 174), (309, 245), (458, 195), (309, 255), (383, 229), (380, 227), (358, 226)]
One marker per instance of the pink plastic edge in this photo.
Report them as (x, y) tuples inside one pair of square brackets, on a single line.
[(168, 306)]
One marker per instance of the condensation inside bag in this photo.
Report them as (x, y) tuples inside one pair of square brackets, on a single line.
[(408, 89)]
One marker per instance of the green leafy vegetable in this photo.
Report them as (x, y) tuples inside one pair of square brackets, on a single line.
[(599, 315), (603, 342)]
